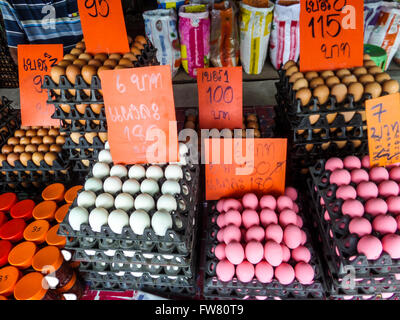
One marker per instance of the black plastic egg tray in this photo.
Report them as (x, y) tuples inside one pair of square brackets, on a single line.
[(217, 289), (83, 150), (363, 297)]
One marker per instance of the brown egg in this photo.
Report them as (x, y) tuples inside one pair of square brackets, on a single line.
[(331, 81), (311, 75), (37, 157), (19, 133), (390, 86), (25, 140), (321, 93), (85, 56), (304, 95), (135, 51), (64, 63), (70, 57), (49, 140), (54, 132), (60, 140), (110, 63), (42, 132), (11, 158), (142, 40), (13, 141), (130, 56), (89, 136), (43, 148), (339, 91), (257, 133), (314, 118), (80, 62), (65, 107), (3, 157), (325, 146), (289, 64), (326, 74), (357, 90), (55, 148), (19, 148), (330, 117), (25, 157), (103, 68), (349, 79), (359, 71), (81, 45), (126, 63), (96, 108), (72, 72), (342, 73), (56, 72), (309, 147), (295, 76), (300, 83), (118, 67), (374, 89), (30, 133), (374, 70), (95, 62), (369, 63), (81, 108), (88, 72), (76, 51), (365, 78), (31, 148), (291, 70), (101, 56), (103, 136), (367, 57), (50, 157), (7, 148), (115, 56), (36, 140), (75, 137), (316, 82), (381, 77), (252, 125)]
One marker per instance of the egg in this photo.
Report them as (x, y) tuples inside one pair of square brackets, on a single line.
[(321, 93), (145, 202), (292, 236), (301, 254), (353, 208), (149, 186), (289, 64), (382, 77), (154, 172), (64, 63), (340, 177), (331, 81), (304, 95), (326, 74), (101, 56), (117, 220), (100, 170), (171, 187), (225, 270), (93, 184), (104, 200), (231, 233), (370, 246), (374, 89), (97, 218), (112, 185), (316, 82), (72, 71), (295, 76), (167, 203), (349, 79), (245, 271), (19, 148), (284, 202), (393, 204), (273, 253), (124, 201), (390, 86), (139, 221), (131, 186), (339, 91), (88, 72), (268, 216), (37, 157), (119, 171), (358, 71), (103, 136), (234, 253), (304, 273), (274, 232), (50, 157), (357, 90), (25, 157), (105, 156), (285, 273), (78, 216), (11, 158), (374, 70), (85, 56), (136, 172), (56, 72), (86, 199), (342, 73), (287, 217), (311, 75), (391, 245), (360, 226), (161, 221), (299, 84), (250, 218)]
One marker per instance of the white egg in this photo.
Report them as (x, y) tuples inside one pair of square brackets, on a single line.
[(93, 184), (149, 186), (137, 172), (170, 187), (78, 216), (139, 220), (112, 185), (105, 200), (124, 201), (86, 199), (173, 172), (117, 220), (145, 202), (154, 172), (97, 218), (183, 149), (167, 202), (101, 170), (119, 171), (161, 221), (107, 146), (131, 186), (105, 156)]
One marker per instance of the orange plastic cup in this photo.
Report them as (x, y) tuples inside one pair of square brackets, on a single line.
[(9, 276), (47, 257), (7, 200), (71, 193), (45, 210), (53, 239), (21, 255), (62, 212), (30, 287), (37, 231), (54, 192)]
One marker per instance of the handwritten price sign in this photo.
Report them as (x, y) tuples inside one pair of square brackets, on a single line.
[(220, 98), (330, 36), (238, 166), (34, 62), (103, 26), (140, 113), (383, 118)]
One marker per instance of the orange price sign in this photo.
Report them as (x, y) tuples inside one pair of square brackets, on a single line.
[(383, 120), (103, 26), (237, 166), (34, 62), (220, 98), (331, 34), (140, 114)]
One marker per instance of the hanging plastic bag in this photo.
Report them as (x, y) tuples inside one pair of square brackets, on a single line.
[(170, 4), (255, 29), (194, 31), (371, 15)]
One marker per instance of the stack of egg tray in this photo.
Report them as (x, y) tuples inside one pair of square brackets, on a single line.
[(163, 265), (372, 279), (235, 290), (10, 120), (8, 68)]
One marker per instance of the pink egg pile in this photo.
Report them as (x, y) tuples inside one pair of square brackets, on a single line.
[(262, 239), (371, 198)]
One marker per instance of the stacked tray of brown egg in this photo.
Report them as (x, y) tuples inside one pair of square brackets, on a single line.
[(324, 112), (9, 120)]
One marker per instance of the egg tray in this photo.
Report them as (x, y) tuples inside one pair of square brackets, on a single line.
[(363, 297), (83, 144), (213, 287), (75, 155), (24, 192)]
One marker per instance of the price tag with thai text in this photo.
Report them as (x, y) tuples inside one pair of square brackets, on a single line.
[(34, 62), (331, 34), (237, 166), (383, 119), (220, 98), (140, 114)]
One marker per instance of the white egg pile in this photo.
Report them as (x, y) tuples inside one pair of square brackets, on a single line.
[(139, 196)]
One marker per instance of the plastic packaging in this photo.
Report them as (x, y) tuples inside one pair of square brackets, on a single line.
[(160, 26), (255, 30), (371, 14)]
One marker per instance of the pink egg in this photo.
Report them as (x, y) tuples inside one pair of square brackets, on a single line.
[(284, 273), (394, 174), (326, 216), (274, 232), (234, 253), (268, 216), (346, 192), (391, 245), (303, 238), (301, 253), (220, 205), (250, 218), (232, 233), (359, 175), (268, 201), (284, 202), (225, 270), (370, 246), (388, 188), (220, 251), (250, 201), (360, 226), (254, 252), (273, 253), (353, 208), (232, 204), (233, 217), (340, 177), (393, 204), (291, 193), (285, 253), (352, 162), (295, 207), (384, 224), (264, 272), (378, 174), (321, 201), (367, 190), (304, 273), (376, 206), (221, 220), (256, 233), (299, 222), (245, 271), (287, 217), (220, 235), (292, 236), (365, 161), (334, 163)]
